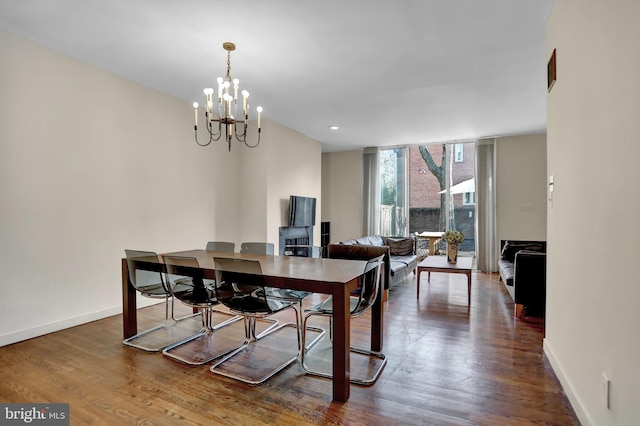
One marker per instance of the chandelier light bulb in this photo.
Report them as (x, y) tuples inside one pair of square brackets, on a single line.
[(259, 109), (195, 113), (245, 95), (208, 91)]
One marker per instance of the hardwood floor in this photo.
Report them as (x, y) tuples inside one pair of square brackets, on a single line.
[(448, 364)]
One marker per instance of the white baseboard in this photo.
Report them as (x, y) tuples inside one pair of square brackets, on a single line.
[(578, 407), (30, 333)]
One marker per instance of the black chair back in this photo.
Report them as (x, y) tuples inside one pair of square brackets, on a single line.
[(257, 248), (369, 286), (241, 285), (185, 281), (221, 246), (147, 282)]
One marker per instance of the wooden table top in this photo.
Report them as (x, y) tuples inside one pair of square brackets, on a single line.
[(291, 267), (430, 234), (442, 263)]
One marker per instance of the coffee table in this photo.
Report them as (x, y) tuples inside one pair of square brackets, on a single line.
[(440, 264)]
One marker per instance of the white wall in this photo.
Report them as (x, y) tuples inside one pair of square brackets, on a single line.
[(592, 284), (91, 164), (253, 197), (294, 168), (285, 163), (521, 173), (341, 193)]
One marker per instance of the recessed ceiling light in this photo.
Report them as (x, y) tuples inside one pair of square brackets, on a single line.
[(334, 127)]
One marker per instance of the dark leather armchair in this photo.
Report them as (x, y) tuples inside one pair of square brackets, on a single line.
[(362, 252), (530, 281), (400, 260), (523, 269)]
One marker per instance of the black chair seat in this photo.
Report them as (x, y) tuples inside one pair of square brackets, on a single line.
[(196, 292)]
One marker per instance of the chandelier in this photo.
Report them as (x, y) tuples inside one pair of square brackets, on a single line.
[(225, 120)]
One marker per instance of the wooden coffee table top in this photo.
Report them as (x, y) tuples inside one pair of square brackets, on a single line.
[(440, 262)]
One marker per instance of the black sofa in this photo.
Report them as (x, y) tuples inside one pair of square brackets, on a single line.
[(523, 270), (400, 255)]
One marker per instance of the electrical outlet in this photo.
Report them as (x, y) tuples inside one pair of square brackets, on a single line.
[(606, 391)]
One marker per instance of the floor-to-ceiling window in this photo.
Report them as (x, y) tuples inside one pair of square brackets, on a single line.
[(428, 188), (393, 192), (442, 189)]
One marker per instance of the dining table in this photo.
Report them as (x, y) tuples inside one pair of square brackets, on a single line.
[(334, 277)]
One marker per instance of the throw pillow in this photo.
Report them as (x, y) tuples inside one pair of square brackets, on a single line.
[(511, 248), (400, 246)]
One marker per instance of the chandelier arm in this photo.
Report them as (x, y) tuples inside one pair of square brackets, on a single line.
[(257, 143), (215, 136), (195, 129), (242, 135)]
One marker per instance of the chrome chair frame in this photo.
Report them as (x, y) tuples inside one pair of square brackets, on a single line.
[(155, 289), (241, 288), (360, 302), (194, 291)]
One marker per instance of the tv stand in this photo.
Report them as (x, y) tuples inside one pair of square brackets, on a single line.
[(295, 240)]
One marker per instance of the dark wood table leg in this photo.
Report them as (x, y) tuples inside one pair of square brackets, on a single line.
[(469, 287), (341, 344), (129, 313), (377, 321)]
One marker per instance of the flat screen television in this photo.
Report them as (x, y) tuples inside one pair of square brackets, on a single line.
[(302, 211)]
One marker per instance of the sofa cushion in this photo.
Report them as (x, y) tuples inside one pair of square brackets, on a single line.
[(399, 263), (400, 246), (506, 271), (370, 240), (396, 267), (510, 249)]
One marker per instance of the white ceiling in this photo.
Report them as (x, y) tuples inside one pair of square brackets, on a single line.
[(388, 72)]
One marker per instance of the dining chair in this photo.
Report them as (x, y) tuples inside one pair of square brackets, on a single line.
[(241, 287), (257, 248), (359, 303), (283, 294), (151, 284), (296, 296), (184, 279), (221, 246), (288, 295)]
